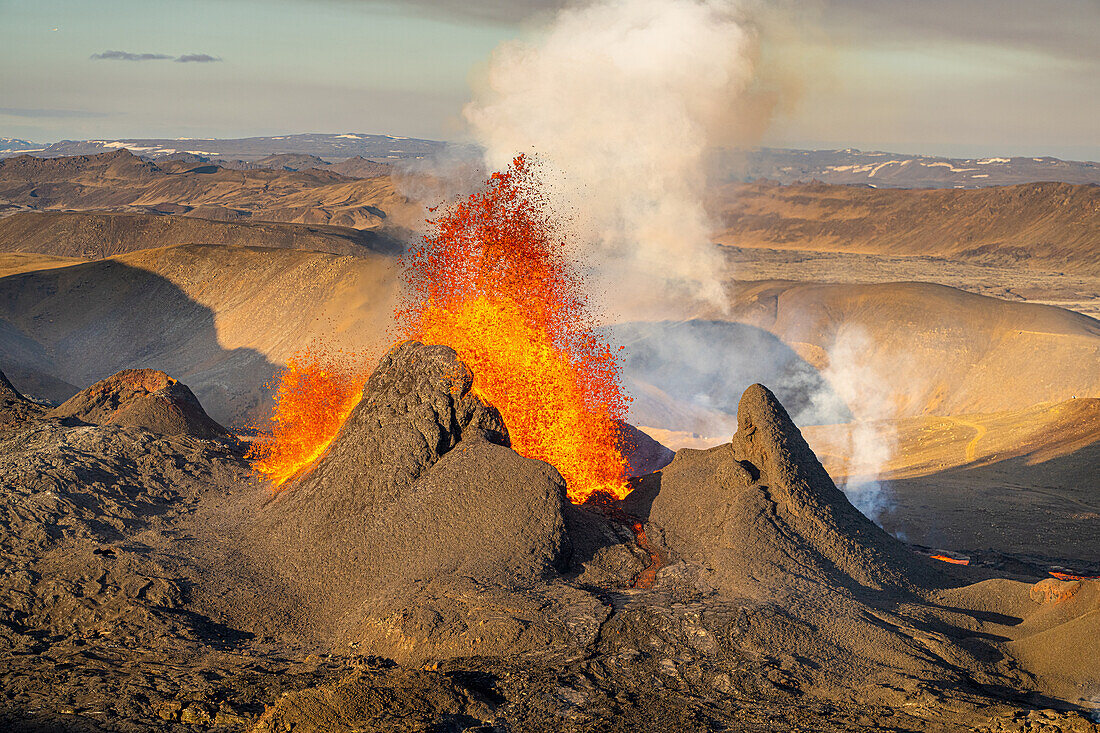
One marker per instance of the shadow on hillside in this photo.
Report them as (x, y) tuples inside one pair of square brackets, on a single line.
[(1044, 513), (76, 325)]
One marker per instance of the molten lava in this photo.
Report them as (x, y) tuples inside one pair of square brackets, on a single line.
[(648, 576), (1072, 576), (315, 394), (952, 560), (492, 281)]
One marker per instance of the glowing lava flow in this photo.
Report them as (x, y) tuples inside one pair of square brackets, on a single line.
[(492, 282), (1071, 576), (315, 394)]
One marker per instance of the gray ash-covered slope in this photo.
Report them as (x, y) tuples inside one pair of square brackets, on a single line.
[(420, 534), (141, 398), (89, 529), (643, 454)]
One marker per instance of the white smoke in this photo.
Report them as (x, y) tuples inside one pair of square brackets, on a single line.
[(620, 100), (869, 441)]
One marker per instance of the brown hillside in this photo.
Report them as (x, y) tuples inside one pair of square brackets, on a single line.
[(95, 235), (121, 181), (1045, 225), (360, 167), (1021, 481), (13, 263), (930, 349), (926, 445), (221, 318)]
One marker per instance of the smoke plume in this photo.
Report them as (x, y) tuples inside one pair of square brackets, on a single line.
[(622, 102), (620, 99), (869, 441)]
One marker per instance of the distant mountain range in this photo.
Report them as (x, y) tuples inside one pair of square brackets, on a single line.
[(15, 146), (330, 148), (892, 170), (851, 167)]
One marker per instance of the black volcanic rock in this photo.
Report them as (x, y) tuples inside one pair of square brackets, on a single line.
[(142, 398)]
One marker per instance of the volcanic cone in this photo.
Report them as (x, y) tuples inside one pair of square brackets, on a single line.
[(420, 532), (142, 398)]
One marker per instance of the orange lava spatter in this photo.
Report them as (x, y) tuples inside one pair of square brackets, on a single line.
[(492, 281), (314, 395)]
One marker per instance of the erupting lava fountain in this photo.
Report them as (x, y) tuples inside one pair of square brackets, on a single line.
[(492, 279)]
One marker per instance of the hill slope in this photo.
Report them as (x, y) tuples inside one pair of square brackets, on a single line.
[(886, 350), (223, 317), (121, 181), (1020, 481), (928, 349), (95, 235), (1040, 225)]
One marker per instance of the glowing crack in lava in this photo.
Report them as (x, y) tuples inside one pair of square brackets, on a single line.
[(492, 281), (315, 394)]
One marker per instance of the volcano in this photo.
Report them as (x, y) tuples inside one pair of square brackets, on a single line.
[(141, 398), (422, 574)]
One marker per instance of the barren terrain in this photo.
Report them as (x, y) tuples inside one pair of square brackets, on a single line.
[(422, 575)]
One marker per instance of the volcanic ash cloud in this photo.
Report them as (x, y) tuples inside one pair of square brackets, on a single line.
[(620, 100)]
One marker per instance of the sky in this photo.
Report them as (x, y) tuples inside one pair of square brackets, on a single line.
[(949, 77)]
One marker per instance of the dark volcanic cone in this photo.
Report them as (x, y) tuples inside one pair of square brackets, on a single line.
[(643, 454), (762, 507), (142, 398), (416, 407), (420, 532), (758, 521)]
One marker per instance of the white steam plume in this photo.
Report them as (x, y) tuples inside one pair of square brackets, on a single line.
[(869, 441), (620, 99)]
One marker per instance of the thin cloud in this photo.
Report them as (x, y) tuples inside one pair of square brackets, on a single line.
[(476, 11), (52, 113), (1056, 28), (197, 58), (188, 58), (127, 56)]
